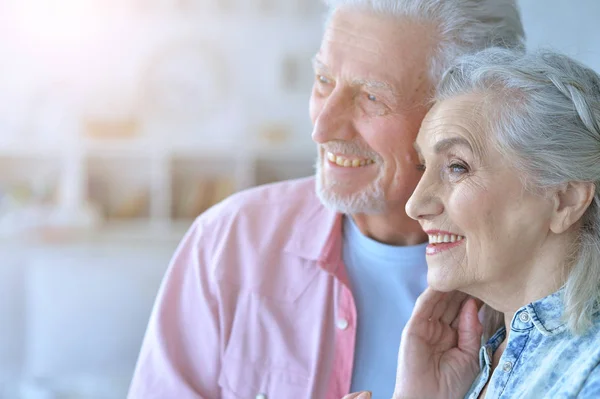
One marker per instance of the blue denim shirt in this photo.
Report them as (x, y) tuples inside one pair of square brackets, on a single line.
[(542, 358)]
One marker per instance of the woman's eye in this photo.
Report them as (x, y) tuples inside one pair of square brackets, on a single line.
[(457, 168), (421, 167)]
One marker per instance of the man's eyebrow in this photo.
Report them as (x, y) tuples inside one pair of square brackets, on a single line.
[(375, 85), (318, 65), (371, 84)]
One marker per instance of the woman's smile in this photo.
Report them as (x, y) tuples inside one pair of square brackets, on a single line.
[(440, 241)]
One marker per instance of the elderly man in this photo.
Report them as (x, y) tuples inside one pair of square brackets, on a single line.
[(287, 291)]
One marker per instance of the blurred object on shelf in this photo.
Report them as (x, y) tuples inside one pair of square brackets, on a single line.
[(223, 188), (28, 200), (274, 170), (45, 221), (120, 187), (136, 205), (112, 129), (275, 133), (191, 198)]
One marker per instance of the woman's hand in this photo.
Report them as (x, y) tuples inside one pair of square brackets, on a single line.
[(439, 351), (438, 355), (358, 395)]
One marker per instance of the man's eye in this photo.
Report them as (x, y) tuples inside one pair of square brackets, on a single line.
[(323, 79), (372, 97), (421, 167)]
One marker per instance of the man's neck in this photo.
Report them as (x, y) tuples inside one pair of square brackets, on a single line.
[(392, 229)]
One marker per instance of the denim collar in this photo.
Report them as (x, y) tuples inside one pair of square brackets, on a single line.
[(547, 313)]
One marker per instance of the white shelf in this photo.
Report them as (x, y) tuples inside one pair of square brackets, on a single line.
[(29, 150), (171, 165)]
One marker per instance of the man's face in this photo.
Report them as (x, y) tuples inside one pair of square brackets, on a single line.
[(367, 103)]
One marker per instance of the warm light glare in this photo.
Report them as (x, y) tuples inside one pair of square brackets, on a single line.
[(53, 23), (70, 41)]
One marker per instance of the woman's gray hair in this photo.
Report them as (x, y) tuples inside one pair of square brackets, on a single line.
[(464, 26), (544, 113)]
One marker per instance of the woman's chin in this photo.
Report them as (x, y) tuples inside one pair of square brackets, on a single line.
[(440, 283)]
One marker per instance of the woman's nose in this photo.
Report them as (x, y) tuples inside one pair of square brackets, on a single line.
[(425, 202)]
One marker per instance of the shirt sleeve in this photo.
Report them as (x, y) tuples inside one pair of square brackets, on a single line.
[(180, 354)]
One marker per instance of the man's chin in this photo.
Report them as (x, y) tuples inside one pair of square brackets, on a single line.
[(349, 202)]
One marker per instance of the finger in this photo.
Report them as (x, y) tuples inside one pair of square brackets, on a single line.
[(479, 303), (453, 309), (358, 395), (454, 323), (425, 305), (470, 329), (440, 307)]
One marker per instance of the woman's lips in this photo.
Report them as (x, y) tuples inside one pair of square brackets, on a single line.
[(440, 241), (433, 249)]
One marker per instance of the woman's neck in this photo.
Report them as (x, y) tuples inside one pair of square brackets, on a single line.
[(544, 274)]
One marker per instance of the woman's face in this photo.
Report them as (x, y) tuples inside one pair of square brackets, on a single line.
[(484, 227)]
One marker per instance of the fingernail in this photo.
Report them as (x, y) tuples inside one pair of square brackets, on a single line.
[(364, 395)]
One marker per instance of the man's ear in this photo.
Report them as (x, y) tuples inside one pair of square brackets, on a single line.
[(570, 203)]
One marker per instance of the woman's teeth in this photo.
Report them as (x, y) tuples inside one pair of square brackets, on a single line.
[(348, 162), (444, 238)]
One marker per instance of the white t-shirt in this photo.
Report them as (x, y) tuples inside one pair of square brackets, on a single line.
[(386, 281)]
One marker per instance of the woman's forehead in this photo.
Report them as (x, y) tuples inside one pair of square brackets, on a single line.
[(461, 116)]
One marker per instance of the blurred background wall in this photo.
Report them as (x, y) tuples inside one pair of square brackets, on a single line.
[(121, 121)]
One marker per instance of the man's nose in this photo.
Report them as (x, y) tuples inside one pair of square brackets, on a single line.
[(334, 120)]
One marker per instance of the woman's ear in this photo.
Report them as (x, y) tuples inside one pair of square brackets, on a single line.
[(571, 201)]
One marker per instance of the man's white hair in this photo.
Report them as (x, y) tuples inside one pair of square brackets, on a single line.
[(463, 26)]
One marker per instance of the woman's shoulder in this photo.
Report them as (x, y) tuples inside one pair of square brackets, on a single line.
[(591, 386)]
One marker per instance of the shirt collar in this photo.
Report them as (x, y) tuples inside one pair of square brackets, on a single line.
[(317, 235), (547, 313)]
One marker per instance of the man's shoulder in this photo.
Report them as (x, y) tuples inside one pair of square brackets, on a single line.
[(264, 208), (250, 234), (288, 193)]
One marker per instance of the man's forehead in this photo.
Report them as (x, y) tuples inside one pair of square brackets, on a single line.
[(379, 52), (380, 33)]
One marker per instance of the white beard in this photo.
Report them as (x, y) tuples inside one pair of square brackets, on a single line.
[(368, 200)]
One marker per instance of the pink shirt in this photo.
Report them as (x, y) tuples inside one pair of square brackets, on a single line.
[(256, 301)]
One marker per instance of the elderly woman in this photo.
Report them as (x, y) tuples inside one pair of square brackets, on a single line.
[(510, 198)]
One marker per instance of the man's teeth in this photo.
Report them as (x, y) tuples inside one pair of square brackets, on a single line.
[(443, 238), (348, 162)]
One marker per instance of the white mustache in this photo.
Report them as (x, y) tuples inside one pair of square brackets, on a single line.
[(349, 148)]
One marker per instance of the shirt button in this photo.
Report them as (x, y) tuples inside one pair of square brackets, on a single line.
[(261, 396), (341, 324), (507, 367), (524, 317)]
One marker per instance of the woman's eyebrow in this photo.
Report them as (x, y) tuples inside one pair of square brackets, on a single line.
[(445, 144)]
